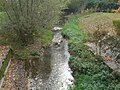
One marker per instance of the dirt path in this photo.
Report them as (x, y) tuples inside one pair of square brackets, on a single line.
[(15, 78)]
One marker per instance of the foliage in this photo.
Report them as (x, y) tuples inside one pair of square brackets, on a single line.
[(2, 18), (25, 22), (76, 5), (71, 28), (44, 37), (28, 17), (99, 34), (26, 52), (5, 64), (89, 71), (113, 43), (100, 5), (117, 25)]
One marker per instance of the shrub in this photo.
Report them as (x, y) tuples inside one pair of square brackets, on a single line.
[(26, 18)]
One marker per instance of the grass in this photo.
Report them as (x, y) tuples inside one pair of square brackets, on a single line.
[(27, 52), (117, 25), (46, 37), (2, 18), (2, 14), (3, 40), (90, 22), (5, 64), (73, 31)]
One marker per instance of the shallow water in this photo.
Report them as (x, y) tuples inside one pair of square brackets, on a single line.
[(38, 71), (51, 71)]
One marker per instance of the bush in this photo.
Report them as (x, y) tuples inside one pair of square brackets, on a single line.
[(27, 18)]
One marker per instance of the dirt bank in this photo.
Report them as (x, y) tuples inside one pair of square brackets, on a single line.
[(15, 78)]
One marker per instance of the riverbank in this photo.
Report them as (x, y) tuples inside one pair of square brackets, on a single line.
[(89, 71), (16, 78)]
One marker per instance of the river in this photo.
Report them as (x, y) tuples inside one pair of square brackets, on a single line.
[(51, 72)]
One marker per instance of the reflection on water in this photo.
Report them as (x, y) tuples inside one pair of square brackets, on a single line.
[(38, 71)]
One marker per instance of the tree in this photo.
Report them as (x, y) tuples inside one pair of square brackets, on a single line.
[(28, 17)]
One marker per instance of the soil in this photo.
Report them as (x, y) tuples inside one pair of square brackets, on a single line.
[(16, 78)]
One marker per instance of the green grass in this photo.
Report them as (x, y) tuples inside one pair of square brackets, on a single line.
[(2, 17), (89, 71), (117, 25), (74, 32), (3, 41), (5, 64), (46, 37), (2, 14)]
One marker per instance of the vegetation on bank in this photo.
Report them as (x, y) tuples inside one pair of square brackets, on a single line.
[(89, 71), (5, 64), (23, 30), (26, 20), (117, 25), (26, 24)]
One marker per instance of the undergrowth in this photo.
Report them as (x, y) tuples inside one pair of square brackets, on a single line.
[(89, 71), (5, 64)]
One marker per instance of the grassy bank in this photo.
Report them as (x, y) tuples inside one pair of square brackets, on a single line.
[(89, 23), (89, 71), (5, 64)]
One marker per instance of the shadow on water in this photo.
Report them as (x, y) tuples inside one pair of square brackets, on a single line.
[(39, 67)]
